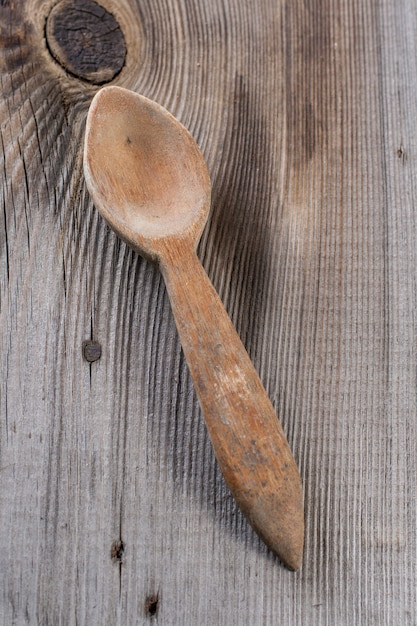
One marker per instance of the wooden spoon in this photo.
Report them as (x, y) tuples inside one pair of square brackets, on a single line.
[(149, 181)]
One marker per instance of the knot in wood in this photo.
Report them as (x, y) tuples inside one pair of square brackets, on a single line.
[(86, 40)]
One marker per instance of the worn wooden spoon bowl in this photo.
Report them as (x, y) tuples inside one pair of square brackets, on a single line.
[(148, 179)]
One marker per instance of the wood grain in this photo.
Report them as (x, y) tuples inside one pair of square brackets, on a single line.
[(305, 112)]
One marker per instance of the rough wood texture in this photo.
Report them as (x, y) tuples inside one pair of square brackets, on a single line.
[(112, 509)]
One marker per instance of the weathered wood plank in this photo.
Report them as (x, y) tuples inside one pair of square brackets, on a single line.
[(111, 504)]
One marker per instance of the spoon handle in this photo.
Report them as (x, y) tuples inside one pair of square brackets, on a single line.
[(248, 440)]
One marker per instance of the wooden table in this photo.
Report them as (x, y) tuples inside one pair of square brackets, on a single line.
[(112, 508)]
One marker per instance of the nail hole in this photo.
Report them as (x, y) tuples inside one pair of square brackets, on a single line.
[(152, 605), (91, 351), (117, 551)]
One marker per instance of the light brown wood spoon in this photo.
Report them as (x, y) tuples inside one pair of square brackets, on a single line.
[(148, 179)]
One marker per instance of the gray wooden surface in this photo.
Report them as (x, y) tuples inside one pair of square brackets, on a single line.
[(112, 509)]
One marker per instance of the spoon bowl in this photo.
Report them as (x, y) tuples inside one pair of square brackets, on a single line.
[(148, 179), (140, 159)]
